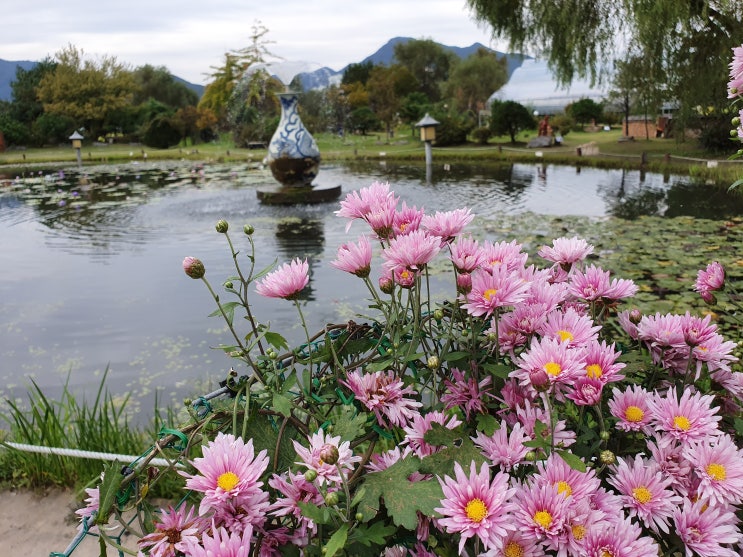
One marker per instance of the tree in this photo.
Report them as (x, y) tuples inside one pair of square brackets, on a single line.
[(159, 84), (86, 90), (387, 86), (428, 62), (26, 106), (414, 107), (362, 120), (357, 73), (688, 41), (473, 80), (510, 117), (585, 110), (636, 83)]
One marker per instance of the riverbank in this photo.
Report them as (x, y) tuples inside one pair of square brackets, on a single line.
[(604, 149), (38, 523)]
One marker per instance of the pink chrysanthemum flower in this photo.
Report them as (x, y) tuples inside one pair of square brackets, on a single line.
[(719, 466), (645, 492), (503, 449), (594, 284), (621, 538), (292, 489), (228, 471), (661, 331), (562, 364), (735, 85), (528, 415), (672, 463), (381, 219), (466, 254), (690, 418), (546, 294), (411, 251), (566, 251), (601, 362), (404, 278), (311, 457), (91, 508), (628, 321), (541, 512), (569, 327), (384, 394), (466, 393), (586, 391), (502, 254), (382, 461), (476, 506), (244, 514), (707, 531), (632, 408), (221, 543), (415, 432), (495, 289), (526, 318), (407, 220), (358, 204), (516, 544), (716, 352), (285, 282), (176, 533), (448, 224), (568, 481), (354, 258)]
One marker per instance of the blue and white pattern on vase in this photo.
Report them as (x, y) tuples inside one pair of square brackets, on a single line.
[(293, 155)]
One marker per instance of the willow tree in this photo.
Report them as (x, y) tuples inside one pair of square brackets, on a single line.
[(688, 41)]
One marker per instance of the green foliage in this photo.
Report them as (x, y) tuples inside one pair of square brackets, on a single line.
[(482, 135), (357, 73), (510, 117), (453, 128), (161, 133), (585, 110), (429, 64), (158, 84), (473, 80), (363, 120)]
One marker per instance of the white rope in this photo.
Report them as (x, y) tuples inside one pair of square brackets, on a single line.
[(60, 451)]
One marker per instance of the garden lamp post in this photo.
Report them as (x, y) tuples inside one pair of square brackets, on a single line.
[(428, 134), (77, 144)]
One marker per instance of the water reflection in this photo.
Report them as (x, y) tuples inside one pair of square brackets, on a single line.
[(303, 238)]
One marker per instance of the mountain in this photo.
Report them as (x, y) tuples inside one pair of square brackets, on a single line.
[(8, 69), (323, 77), (7, 76)]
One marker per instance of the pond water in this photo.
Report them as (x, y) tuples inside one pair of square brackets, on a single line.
[(92, 272)]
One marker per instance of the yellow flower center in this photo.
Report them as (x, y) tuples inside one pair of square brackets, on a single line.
[(565, 335), (682, 422), (716, 471), (579, 531), (227, 481), (405, 274), (552, 368), (642, 494), (488, 294), (403, 226), (634, 414), (513, 550), (543, 519), (476, 510), (594, 371), (564, 488), (606, 553)]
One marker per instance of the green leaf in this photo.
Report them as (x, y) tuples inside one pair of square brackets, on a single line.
[(108, 489), (572, 460), (497, 370), (264, 271), (453, 356), (487, 424), (229, 310), (276, 340), (282, 404), (314, 513), (402, 498), (348, 423), (336, 541), (380, 365), (375, 534), (458, 447)]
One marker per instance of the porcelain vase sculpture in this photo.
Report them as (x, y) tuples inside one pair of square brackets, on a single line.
[(293, 155)]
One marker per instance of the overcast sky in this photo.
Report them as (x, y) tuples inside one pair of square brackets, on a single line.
[(189, 36)]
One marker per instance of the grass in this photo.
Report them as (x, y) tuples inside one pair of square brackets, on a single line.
[(660, 155), (100, 426)]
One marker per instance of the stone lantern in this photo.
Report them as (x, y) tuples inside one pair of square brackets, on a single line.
[(427, 126), (77, 144)]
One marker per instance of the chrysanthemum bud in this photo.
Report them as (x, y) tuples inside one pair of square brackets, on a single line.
[(607, 457), (635, 316), (733, 133), (248, 229), (386, 285), (222, 226), (604, 435), (433, 362), (193, 267), (310, 475), (329, 453), (735, 121), (331, 499), (229, 285), (359, 517), (530, 456), (539, 380), (438, 314)]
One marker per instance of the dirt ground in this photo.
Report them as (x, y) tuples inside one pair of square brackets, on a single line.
[(37, 524)]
